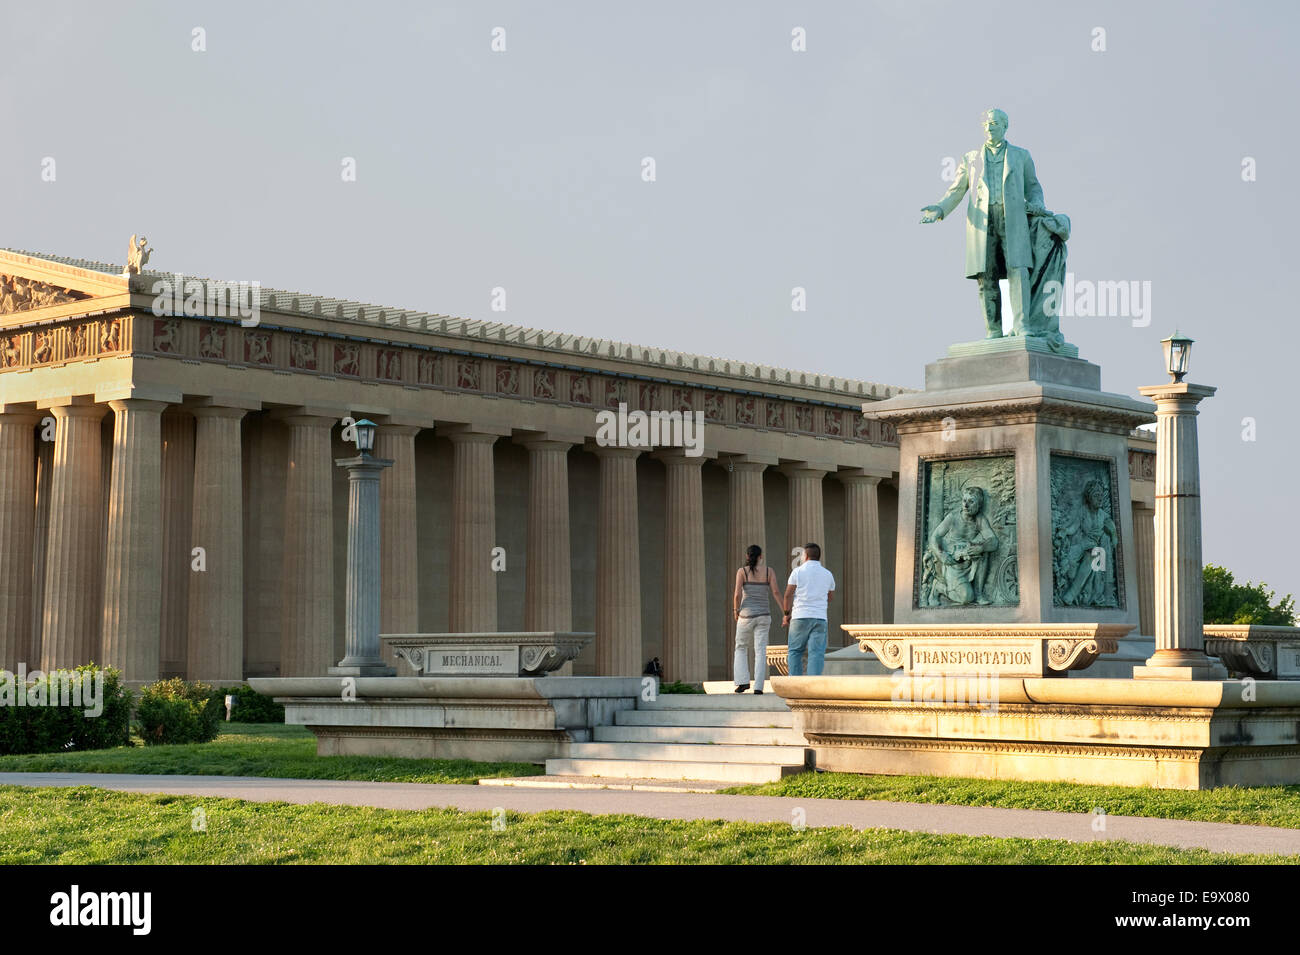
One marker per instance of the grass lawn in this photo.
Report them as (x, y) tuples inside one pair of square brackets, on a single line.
[(87, 826), (1264, 806), (261, 749)]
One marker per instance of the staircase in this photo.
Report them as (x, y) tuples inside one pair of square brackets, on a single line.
[(724, 739)]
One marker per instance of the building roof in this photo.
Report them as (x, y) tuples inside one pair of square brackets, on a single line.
[(318, 306)]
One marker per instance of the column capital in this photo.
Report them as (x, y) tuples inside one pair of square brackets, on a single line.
[(678, 457), (805, 469), (745, 462), (470, 437), (225, 400), (20, 415), (85, 412), (1174, 393), (860, 476), (217, 411), (396, 429), (310, 414), (612, 450), (137, 404), (543, 443)]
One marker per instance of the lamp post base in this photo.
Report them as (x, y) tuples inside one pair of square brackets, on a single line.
[(1181, 665), (367, 669)]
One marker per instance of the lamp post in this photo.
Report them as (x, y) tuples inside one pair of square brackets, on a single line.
[(1179, 593), (362, 614)]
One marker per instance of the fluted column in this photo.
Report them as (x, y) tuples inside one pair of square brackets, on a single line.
[(685, 622), (618, 565), (473, 602), (863, 593), (399, 577), (133, 553), (17, 522), (746, 524), (215, 648), (177, 516), (361, 624), (307, 628), (807, 515), (40, 536), (548, 594), (1179, 591), (1144, 545), (73, 568)]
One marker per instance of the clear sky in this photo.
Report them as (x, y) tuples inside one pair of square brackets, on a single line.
[(773, 169)]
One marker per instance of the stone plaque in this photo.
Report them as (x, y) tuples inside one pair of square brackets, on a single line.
[(1012, 657), (1085, 536), (966, 533), (1288, 660), (470, 660)]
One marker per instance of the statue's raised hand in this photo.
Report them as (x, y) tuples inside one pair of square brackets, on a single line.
[(931, 214)]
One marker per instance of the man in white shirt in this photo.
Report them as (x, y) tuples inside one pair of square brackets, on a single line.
[(807, 595)]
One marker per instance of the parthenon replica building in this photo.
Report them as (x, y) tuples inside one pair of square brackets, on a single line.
[(169, 503)]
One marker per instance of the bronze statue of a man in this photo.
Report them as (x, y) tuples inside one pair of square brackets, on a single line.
[(1004, 192)]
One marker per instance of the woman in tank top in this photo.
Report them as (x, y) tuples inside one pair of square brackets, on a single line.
[(753, 618)]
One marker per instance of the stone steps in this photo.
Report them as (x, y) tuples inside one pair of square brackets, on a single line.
[(789, 755), (730, 702), (703, 717), (749, 735), (721, 738), (667, 769)]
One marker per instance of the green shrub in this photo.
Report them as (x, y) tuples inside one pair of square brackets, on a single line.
[(250, 706), (44, 717), (679, 687), (174, 711)]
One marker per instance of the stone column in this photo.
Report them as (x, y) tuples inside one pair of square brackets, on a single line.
[(1144, 546), (40, 538), (548, 592), (398, 560), (177, 515), (618, 565), (215, 649), (746, 524), (73, 568), (362, 657), (685, 621), (807, 516), (1179, 610), (863, 593), (307, 627), (17, 524), (473, 603), (133, 554)]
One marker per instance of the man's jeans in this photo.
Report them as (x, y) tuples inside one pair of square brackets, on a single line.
[(806, 633)]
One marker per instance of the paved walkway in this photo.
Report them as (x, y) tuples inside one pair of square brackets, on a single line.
[(860, 814)]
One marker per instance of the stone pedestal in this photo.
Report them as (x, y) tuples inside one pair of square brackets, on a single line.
[(361, 621), (1179, 592), (1169, 735), (1051, 538)]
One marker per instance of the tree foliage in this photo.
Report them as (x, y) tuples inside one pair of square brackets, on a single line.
[(1229, 602)]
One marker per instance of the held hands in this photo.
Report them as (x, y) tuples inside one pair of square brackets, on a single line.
[(931, 214)]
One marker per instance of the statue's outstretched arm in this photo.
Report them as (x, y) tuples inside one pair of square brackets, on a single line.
[(943, 208)]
